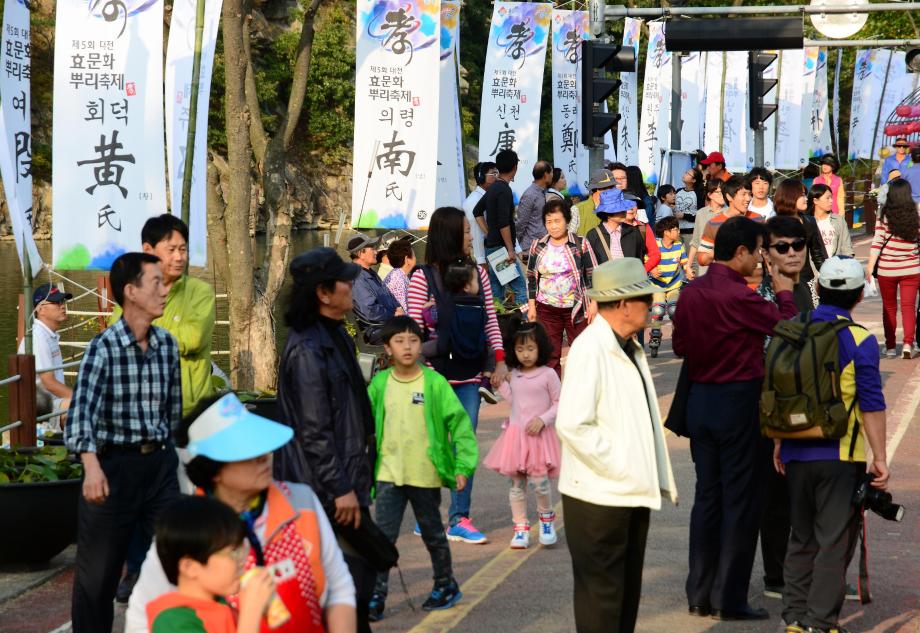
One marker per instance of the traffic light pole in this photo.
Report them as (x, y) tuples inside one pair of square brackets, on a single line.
[(675, 101), (597, 19), (758, 146)]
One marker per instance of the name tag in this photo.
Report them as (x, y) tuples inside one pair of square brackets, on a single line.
[(418, 398)]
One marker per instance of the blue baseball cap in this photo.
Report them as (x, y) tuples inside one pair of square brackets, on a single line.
[(50, 294), (228, 432), (613, 201)]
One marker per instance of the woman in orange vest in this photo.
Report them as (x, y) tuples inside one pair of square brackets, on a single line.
[(287, 529)]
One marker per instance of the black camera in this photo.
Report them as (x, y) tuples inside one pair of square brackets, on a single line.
[(876, 500)]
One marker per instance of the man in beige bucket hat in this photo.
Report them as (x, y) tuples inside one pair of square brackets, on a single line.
[(615, 465)]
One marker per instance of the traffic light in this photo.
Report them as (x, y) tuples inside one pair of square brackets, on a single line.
[(597, 59), (758, 87)]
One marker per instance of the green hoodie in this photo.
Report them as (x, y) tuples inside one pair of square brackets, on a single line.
[(449, 428)]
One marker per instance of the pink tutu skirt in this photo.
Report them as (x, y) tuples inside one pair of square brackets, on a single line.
[(517, 453)]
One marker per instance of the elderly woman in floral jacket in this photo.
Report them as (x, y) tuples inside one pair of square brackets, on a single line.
[(558, 276)]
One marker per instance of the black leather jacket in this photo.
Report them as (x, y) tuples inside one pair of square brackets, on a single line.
[(330, 415), (815, 252)]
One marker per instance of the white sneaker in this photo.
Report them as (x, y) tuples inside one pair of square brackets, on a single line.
[(907, 352), (547, 531), (521, 538), (891, 352)]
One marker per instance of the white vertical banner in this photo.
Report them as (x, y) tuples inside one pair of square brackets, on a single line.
[(868, 79), (16, 135), (654, 134), (736, 139), (692, 75), (789, 109), (712, 130), (769, 126), (900, 84), (451, 189), (627, 130), (178, 81), (820, 125), (570, 28), (108, 159), (836, 109), (396, 113), (512, 85), (809, 76), (612, 150)]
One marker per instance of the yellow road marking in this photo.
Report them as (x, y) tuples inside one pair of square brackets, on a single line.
[(483, 583)]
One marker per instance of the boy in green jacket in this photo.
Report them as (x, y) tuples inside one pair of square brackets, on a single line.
[(424, 441)]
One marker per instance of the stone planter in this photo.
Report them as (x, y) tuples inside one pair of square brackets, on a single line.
[(38, 521)]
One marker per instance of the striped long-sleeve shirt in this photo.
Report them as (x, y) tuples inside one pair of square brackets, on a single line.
[(899, 257), (419, 295)]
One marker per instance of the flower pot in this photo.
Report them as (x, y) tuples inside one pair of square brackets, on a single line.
[(39, 520), (506, 320)]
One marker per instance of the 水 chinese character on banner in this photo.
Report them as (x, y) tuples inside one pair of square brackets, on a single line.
[(17, 131), (692, 87), (109, 164), (712, 130), (868, 79), (178, 90), (654, 130), (512, 85), (737, 136), (570, 28), (396, 113), (451, 189), (820, 125), (809, 79), (789, 109), (627, 129)]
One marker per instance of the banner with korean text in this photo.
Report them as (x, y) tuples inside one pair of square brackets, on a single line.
[(712, 120), (627, 130), (451, 189), (654, 133), (570, 28), (899, 86), (809, 80), (396, 113), (179, 53), (872, 65), (789, 109), (737, 137), (109, 164), (820, 124), (17, 126), (692, 88), (512, 85)]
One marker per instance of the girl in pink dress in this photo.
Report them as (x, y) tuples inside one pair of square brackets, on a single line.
[(528, 449)]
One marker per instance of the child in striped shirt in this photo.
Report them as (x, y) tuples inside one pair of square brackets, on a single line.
[(669, 276)]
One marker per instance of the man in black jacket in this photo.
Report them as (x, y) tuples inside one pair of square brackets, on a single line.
[(614, 238), (322, 395)]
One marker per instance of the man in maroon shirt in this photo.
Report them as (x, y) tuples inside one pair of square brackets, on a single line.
[(719, 328)]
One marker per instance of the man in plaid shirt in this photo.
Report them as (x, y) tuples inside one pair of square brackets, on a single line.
[(127, 399)]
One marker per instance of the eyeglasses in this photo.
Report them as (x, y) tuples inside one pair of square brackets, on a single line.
[(782, 248)]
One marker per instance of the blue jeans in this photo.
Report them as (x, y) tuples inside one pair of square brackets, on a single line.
[(460, 501), (517, 286)]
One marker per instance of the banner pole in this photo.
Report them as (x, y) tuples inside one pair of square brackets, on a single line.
[(193, 114), (27, 306)]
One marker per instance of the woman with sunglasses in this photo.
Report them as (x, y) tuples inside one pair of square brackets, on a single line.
[(835, 235), (715, 203), (791, 200), (786, 255)]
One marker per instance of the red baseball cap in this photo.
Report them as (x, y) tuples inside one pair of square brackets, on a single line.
[(714, 157)]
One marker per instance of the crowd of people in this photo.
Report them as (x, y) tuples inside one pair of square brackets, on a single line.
[(226, 520)]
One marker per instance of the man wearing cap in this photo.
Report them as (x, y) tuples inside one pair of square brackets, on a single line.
[(383, 258), (719, 329), (823, 474), (715, 167), (323, 397), (601, 180), (373, 302), (897, 161), (529, 221), (615, 465), (50, 310), (127, 400)]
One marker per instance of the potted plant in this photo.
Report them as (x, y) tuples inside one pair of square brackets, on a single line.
[(39, 491), (507, 314)]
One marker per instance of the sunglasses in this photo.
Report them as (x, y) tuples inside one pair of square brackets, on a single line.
[(783, 247), (901, 145)]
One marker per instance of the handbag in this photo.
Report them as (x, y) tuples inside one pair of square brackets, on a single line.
[(879, 260), (368, 541), (676, 422)]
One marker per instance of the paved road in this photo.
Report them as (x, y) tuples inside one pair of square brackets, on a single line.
[(530, 591)]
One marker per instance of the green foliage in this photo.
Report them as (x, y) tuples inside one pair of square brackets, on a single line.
[(51, 463)]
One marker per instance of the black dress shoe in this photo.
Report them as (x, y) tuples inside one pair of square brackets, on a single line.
[(701, 610), (745, 613)]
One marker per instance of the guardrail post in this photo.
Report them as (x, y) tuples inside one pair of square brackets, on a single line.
[(870, 207), (22, 399)]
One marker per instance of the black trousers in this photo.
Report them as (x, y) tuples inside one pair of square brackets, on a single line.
[(607, 545), (364, 577), (731, 461), (823, 538), (140, 486), (774, 529)]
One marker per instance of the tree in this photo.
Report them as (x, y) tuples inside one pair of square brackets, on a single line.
[(253, 286)]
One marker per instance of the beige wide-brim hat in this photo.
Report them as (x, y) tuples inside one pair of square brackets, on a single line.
[(620, 279)]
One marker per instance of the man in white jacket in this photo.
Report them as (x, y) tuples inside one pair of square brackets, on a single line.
[(615, 465)]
